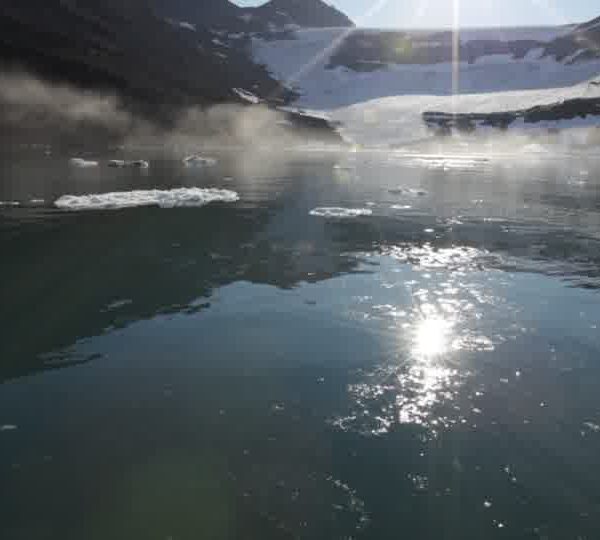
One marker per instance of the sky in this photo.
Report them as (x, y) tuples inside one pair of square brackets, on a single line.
[(471, 13)]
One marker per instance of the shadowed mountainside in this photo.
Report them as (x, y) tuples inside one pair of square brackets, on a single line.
[(124, 47), (273, 16)]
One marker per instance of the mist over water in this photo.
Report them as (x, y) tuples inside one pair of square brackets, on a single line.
[(37, 111)]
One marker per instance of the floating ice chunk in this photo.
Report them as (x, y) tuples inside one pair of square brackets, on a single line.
[(343, 167), (408, 191), (337, 212), (135, 164), (181, 197), (139, 164), (592, 427), (82, 163), (199, 161)]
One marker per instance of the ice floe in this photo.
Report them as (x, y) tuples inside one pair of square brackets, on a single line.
[(173, 198), (338, 212), (82, 163), (199, 161), (411, 192), (135, 164)]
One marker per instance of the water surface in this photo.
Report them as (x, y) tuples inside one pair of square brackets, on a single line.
[(362, 346)]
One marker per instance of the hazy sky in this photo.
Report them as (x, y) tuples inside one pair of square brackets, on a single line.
[(439, 13)]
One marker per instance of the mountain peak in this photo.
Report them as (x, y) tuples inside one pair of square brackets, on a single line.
[(307, 13), (224, 14)]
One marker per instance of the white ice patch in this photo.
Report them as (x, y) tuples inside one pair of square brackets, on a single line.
[(410, 192), (337, 212), (187, 26), (199, 161), (118, 304), (174, 198), (219, 43), (82, 163), (249, 97), (122, 164)]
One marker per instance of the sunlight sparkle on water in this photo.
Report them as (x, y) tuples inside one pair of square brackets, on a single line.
[(432, 337)]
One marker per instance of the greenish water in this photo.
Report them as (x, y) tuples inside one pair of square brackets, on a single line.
[(425, 367)]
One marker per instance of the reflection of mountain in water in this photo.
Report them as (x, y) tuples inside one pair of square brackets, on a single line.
[(73, 276), (86, 274)]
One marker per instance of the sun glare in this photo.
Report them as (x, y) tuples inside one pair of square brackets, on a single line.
[(432, 337)]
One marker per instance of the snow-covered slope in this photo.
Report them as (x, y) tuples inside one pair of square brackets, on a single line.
[(384, 103), (399, 120), (304, 63)]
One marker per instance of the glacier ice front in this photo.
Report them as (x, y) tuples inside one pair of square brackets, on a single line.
[(173, 198)]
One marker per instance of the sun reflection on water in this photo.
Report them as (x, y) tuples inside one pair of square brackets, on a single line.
[(432, 337), (428, 380), (437, 321)]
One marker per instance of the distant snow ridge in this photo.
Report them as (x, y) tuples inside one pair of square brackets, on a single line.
[(338, 212), (381, 103), (173, 198)]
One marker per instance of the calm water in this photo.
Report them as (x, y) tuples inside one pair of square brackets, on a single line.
[(425, 366)]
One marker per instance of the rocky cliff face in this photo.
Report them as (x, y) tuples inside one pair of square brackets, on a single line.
[(370, 51), (272, 16), (303, 13), (583, 43), (156, 61), (156, 55)]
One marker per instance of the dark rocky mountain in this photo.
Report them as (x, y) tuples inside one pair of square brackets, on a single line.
[(370, 51), (158, 57), (445, 123), (594, 25), (579, 45), (123, 46), (305, 13), (583, 43), (275, 15)]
